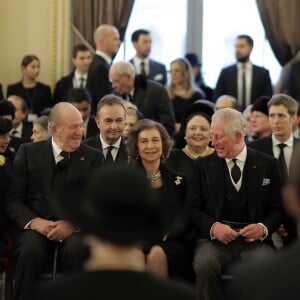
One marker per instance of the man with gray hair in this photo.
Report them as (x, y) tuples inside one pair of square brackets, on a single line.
[(235, 203), (226, 101), (150, 97), (39, 168), (107, 41)]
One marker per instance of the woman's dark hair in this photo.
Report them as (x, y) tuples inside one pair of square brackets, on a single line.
[(146, 124), (27, 59)]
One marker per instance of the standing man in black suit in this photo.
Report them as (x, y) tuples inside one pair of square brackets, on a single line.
[(81, 99), (111, 123), (281, 143), (21, 128), (150, 97), (107, 41), (235, 201), (141, 40), (244, 80), (81, 59), (38, 169)]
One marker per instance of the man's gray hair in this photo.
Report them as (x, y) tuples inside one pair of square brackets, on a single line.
[(234, 120), (124, 68)]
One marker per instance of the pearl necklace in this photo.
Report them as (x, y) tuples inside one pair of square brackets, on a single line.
[(154, 177), (193, 156)]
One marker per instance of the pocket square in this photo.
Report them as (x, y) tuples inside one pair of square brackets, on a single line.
[(266, 181), (158, 77)]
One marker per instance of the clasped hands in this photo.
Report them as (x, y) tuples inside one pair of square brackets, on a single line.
[(54, 230), (225, 234)]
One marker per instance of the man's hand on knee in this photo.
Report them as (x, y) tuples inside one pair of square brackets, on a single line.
[(224, 233), (42, 226), (61, 230)]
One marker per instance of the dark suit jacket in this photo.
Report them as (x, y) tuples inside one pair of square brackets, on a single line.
[(157, 71), (274, 277), (26, 132), (34, 172), (92, 128), (227, 83), (41, 97), (62, 87), (95, 142), (152, 100), (207, 191), (98, 80), (265, 145)]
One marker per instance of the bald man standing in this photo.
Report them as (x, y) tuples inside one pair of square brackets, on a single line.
[(107, 41), (39, 168)]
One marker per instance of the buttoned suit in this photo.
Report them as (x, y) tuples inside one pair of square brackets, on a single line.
[(227, 83), (95, 142), (157, 71), (207, 199), (98, 80), (30, 197)]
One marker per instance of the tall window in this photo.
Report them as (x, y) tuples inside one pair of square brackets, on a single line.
[(166, 20), (222, 22)]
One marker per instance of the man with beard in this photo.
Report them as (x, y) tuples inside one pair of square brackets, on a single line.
[(243, 80)]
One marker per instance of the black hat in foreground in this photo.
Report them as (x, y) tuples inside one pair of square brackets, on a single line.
[(261, 104), (5, 125), (193, 59), (118, 205)]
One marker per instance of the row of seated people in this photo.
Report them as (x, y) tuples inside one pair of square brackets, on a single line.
[(174, 179)]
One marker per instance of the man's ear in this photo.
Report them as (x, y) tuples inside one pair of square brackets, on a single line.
[(239, 136)]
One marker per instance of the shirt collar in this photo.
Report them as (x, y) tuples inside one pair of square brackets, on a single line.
[(78, 75), (247, 64), (106, 145), (56, 150), (106, 57), (240, 157), (137, 60), (288, 142)]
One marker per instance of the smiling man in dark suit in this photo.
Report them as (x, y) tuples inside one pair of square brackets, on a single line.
[(111, 123), (40, 168), (107, 40), (244, 80), (235, 201)]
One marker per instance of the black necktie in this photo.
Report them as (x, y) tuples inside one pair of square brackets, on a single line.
[(282, 163), (109, 157), (82, 80), (62, 164), (243, 102), (235, 171), (143, 71)]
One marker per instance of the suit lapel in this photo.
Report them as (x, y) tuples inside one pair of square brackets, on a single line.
[(215, 175), (138, 97), (253, 175), (48, 165)]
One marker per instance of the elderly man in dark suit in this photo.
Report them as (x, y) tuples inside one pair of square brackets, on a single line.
[(40, 168), (275, 277), (107, 42), (81, 60), (111, 123), (281, 143), (150, 97), (235, 201), (244, 80), (141, 40)]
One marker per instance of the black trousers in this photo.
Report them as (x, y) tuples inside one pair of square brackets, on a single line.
[(34, 256), (210, 259)]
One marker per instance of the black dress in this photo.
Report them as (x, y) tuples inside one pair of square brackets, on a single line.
[(37, 98), (181, 104), (180, 162)]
